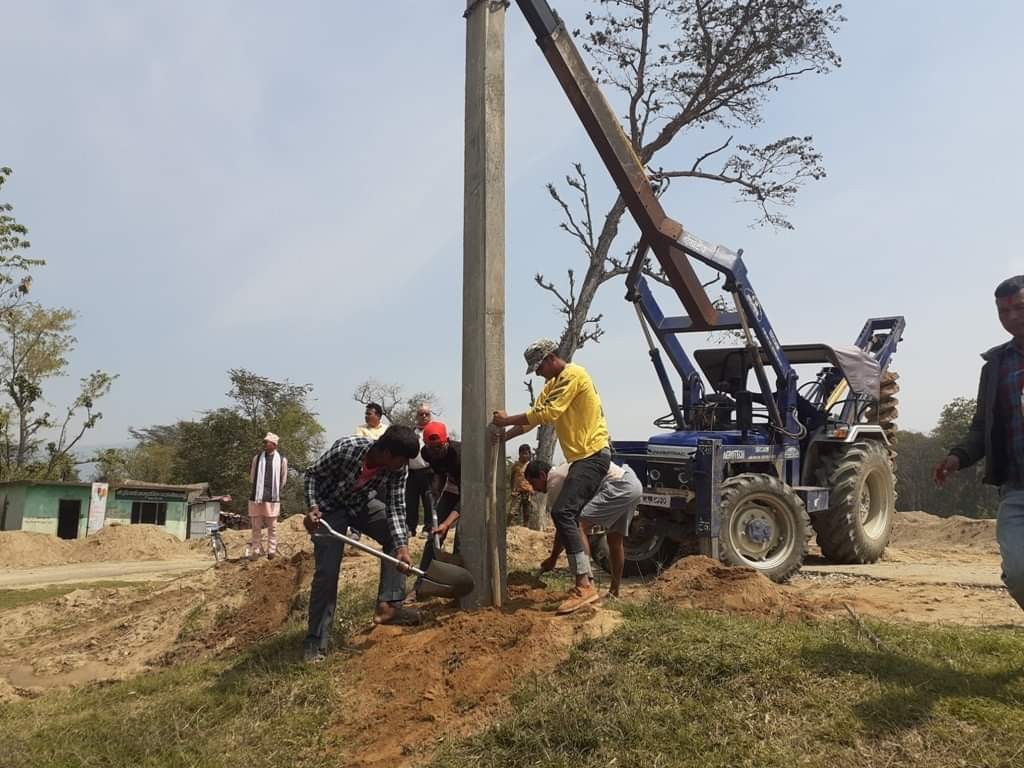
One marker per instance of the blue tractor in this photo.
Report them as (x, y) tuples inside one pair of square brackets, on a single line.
[(753, 462)]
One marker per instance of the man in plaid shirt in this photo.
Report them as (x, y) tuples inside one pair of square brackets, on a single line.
[(996, 434), (359, 483)]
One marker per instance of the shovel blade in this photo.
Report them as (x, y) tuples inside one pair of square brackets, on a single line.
[(446, 580)]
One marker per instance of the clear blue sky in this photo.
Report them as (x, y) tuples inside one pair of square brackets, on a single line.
[(278, 187)]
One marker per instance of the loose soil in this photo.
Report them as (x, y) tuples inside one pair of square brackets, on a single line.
[(22, 549), (291, 536), (107, 634), (700, 582), (921, 531), (453, 675), (100, 634)]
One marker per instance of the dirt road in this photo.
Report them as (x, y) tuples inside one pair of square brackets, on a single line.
[(75, 573)]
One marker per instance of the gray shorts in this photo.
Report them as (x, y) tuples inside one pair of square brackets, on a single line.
[(615, 502)]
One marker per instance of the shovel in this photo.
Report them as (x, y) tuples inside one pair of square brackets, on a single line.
[(439, 580)]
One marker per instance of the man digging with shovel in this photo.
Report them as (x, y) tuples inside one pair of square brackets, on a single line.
[(359, 483), (569, 401)]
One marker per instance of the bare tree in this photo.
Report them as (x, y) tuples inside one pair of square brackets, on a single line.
[(398, 406), (681, 66)]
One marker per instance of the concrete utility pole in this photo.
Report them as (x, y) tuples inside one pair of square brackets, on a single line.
[(482, 525)]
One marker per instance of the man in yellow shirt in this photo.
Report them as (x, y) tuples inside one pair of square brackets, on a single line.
[(570, 402)]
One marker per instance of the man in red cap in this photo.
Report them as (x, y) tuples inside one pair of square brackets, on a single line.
[(444, 457)]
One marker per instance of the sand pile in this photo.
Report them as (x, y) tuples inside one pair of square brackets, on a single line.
[(22, 549), (110, 634), (526, 547), (129, 542), (700, 582), (919, 530), (450, 677), (290, 533)]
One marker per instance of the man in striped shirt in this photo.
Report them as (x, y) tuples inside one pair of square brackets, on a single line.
[(359, 483)]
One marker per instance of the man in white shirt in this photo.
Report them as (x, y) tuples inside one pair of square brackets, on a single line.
[(417, 484), (611, 508)]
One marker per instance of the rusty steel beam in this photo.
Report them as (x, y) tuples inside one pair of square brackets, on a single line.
[(616, 150)]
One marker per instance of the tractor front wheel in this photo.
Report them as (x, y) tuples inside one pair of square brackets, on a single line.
[(763, 525)]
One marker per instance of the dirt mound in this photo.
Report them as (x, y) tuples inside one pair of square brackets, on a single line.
[(129, 542), (919, 530), (22, 549), (451, 676), (291, 538), (112, 634), (527, 547), (700, 582)]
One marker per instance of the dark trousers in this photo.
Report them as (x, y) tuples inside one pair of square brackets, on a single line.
[(582, 482), (449, 501), (327, 554), (417, 489)]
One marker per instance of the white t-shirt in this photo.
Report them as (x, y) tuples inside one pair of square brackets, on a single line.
[(558, 474), (418, 462)]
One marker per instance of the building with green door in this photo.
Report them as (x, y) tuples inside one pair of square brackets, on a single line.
[(62, 509)]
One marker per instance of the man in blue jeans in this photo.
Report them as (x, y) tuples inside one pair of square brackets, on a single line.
[(359, 483), (997, 434)]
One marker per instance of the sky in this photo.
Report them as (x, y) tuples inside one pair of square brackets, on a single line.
[(278, 187)]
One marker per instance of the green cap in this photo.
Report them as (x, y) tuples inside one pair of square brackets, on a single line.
[(537, 351)]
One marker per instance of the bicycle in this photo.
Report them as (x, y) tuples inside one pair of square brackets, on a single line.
[(220, 550)]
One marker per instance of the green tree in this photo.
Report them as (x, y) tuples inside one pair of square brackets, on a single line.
[(915, 490), (965, 493), (153, 462), (219, 447), (34, 349), (15, 265)]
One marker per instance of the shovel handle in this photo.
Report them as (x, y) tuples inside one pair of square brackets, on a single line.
[(368, 549), (433, 520)]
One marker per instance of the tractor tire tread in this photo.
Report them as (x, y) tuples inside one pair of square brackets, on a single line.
[(839, 530)]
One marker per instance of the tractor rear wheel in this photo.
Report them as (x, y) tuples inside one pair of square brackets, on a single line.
[(763, 525), (862, 503), (647, 552)]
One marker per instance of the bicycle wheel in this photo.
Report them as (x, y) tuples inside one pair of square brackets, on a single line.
[(220, 552)]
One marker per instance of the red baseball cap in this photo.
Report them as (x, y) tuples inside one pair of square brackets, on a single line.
[(435, 433)]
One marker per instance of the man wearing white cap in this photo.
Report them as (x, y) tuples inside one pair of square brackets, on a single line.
[(268, 474)]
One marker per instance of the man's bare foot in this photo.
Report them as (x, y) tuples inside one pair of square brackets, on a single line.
[(396, 614), (579, 597)]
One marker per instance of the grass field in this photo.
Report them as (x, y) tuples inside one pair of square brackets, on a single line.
[(669, 688)]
